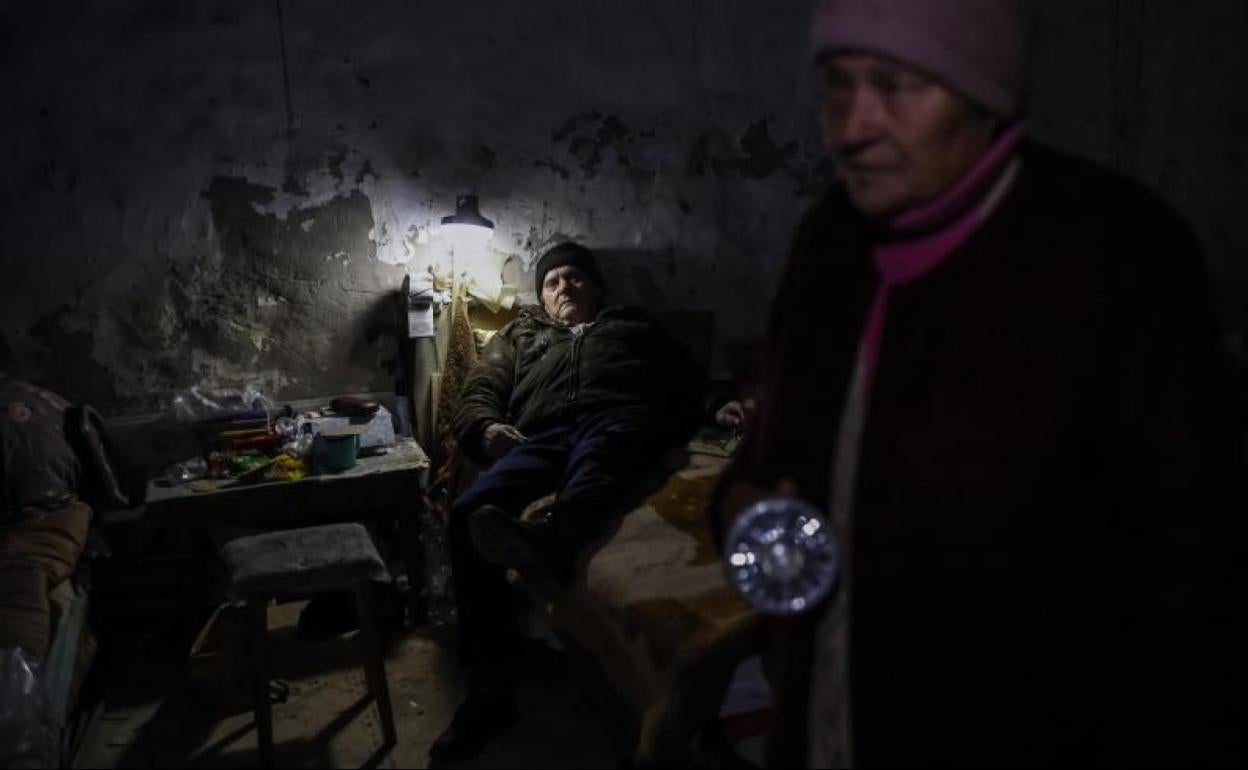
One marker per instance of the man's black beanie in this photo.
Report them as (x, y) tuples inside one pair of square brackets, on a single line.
[(566, 253)]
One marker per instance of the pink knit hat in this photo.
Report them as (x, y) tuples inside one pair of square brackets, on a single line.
[(973, 46)]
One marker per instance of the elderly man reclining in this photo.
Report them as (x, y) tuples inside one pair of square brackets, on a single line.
[(572, 396)]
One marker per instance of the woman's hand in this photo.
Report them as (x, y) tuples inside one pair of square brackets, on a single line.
[(736, 415), (742, 494)]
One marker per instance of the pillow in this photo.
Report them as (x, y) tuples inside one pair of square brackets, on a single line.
[(48, 542), (38, 466)]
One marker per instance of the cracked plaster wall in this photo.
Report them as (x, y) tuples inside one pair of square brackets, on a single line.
[(184, 204)]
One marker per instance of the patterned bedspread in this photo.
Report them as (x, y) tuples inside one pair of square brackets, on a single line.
[(654, 605)]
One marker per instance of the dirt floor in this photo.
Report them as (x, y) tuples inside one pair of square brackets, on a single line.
[(150, 713)]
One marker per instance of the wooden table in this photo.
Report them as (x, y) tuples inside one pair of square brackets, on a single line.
[(379, 488)]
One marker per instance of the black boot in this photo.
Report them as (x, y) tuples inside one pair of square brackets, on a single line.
[(530, 547), (483, 715)]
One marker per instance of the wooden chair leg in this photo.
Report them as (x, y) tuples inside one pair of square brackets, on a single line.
[(374, 662), (258, 632)]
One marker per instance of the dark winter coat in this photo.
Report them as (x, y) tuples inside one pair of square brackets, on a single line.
[(537, 373), (1048, 559)]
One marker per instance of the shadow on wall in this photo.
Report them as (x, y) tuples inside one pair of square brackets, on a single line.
[(298, 295), (653, 280), (640, 277), (375, 335)]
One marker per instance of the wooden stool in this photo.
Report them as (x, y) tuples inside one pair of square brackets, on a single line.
[(301, 561)]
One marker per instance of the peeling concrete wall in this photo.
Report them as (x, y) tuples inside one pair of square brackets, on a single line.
[(220, 192)]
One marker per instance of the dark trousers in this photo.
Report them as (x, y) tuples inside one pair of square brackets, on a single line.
[(597, 465)]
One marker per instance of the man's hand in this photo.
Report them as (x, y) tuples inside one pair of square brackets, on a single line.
[(742, 494), (500, 438), (736, 415)]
